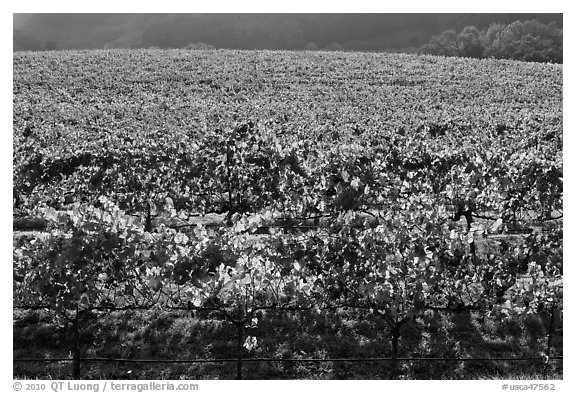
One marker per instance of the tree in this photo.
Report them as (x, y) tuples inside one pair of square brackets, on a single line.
[(526, 41), (492, 39), (444, 44), (470, 42)]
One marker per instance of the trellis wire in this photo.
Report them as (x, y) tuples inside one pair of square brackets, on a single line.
[(315, 360)]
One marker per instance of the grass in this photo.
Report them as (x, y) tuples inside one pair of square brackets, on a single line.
[(524, 376), (163, 335)]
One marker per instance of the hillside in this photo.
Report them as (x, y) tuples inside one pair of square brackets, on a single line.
[(310, 206), (364, 32)]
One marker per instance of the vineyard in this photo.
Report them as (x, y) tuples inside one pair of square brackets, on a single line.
[(302, 207)]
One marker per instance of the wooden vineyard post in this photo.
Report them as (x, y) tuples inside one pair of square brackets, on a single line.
[(394, 353), (239, 344), (550, 338), (76, 346)]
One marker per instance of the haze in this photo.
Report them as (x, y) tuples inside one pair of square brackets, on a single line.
[(366, 32)]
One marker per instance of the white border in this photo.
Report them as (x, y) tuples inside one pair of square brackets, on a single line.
[(358, 6)]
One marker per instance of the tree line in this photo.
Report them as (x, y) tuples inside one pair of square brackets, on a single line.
[(520, 40), (349, 32)]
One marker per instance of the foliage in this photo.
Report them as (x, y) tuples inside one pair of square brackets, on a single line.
[(332, 180), (377, 31), (527, 41), (443, 44)]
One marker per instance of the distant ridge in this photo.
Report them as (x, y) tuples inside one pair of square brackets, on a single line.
[(371, 32)]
